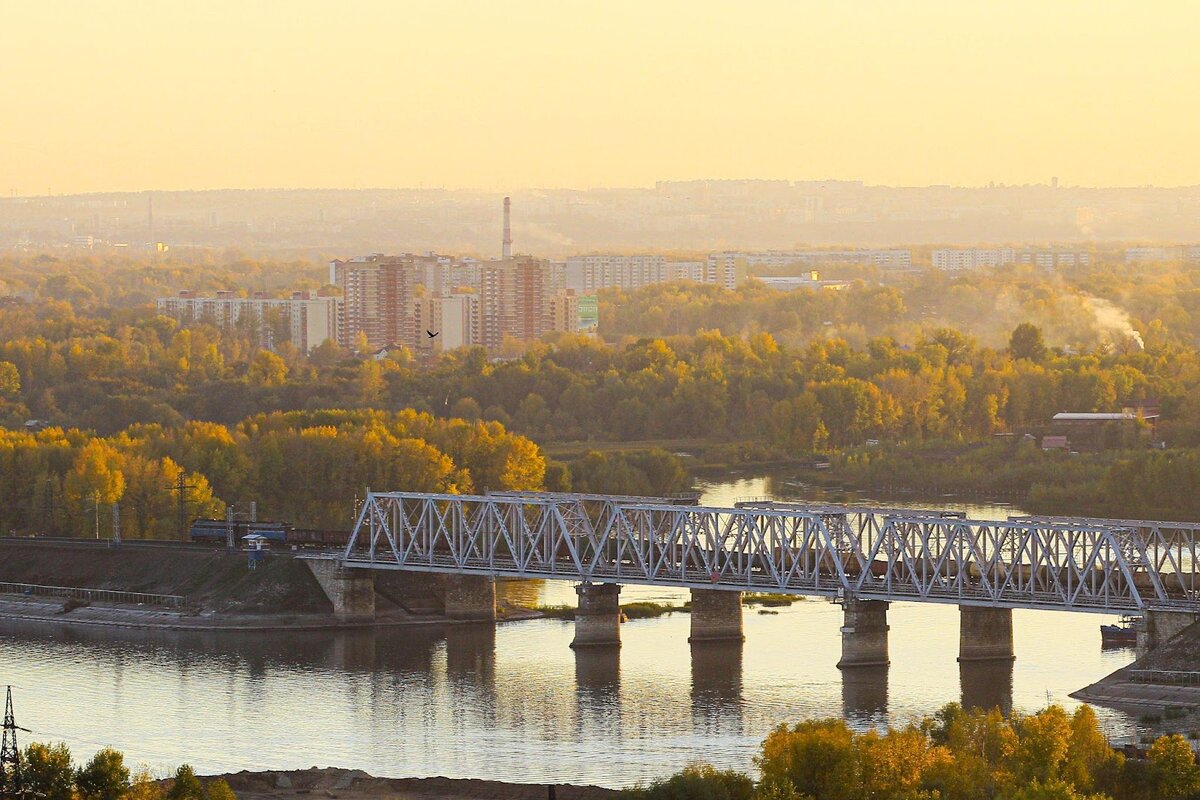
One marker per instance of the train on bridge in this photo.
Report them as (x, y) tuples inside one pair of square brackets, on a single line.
[(216, 532)]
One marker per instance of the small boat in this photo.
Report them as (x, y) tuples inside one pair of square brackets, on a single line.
[(1123, 634)]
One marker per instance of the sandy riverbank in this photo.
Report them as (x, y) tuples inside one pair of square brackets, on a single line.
[(340, 784)]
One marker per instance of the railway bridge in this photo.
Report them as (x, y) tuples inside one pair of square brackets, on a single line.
[(863, 557)]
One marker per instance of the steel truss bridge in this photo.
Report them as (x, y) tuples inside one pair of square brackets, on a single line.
[(846, 551)]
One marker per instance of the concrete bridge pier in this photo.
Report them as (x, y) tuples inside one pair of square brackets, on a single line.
[(864, 634), (598, 617), (351, 591), (1158, 626), (716, 616), (471, 598), (985, 634)]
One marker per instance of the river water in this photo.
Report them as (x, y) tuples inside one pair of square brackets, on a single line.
[(514, 702)]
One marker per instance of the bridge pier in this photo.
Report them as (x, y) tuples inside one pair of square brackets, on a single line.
[(471, 598), (350, 591), (864, 634), (598, 617), (985, 634), (1158, 626), (716, 616)]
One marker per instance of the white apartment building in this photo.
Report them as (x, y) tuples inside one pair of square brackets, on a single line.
[(972, 257), (459, 315), (885, 259), (957, 258), (588, 274), (721, 269), (1187, 252), (310, 320)]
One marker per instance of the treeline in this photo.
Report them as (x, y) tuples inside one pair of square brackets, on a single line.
[(708, 386), (47, 772), (304, 467), (1126, 484), (1083, 307), (954, 755)]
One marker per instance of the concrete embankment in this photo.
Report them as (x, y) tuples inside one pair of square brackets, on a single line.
[(220, 591), (1167, 676)]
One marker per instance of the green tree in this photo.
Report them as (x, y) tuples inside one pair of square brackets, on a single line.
[(185, 786), (105, 777), (697, 782), (1026, 342), (1172, 768), (219, 790), (48, 772)]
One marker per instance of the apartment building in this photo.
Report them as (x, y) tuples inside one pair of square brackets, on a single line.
[(973, 257), (305, 319), (380, 295), (588, 274), (885, 259), (516, 300)]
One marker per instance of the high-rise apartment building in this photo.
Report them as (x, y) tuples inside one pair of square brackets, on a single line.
[(516, 301), (379, 297)]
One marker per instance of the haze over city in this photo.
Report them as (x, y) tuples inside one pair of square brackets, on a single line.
[(501, 96)]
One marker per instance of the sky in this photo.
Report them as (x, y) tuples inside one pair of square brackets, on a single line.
[(163, 94)]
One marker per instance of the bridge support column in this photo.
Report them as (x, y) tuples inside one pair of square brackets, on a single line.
[(985, 634), (471, 598), (864, 634), (1158, 626), (350, 591), (598, 617), (716, 616)]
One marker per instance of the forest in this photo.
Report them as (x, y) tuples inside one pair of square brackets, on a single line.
[(945, 372)]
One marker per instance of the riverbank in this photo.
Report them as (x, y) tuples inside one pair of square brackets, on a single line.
[(342, 784)]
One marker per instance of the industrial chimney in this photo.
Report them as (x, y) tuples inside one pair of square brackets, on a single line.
[(506, 250)]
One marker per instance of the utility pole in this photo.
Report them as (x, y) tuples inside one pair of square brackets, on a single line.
[(10, 755), (182, 487), (96, 509), (116, 537), (229, 543)]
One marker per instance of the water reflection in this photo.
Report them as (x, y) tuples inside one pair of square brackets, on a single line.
[(865, 693), (717, 685), (598, 673), (987, 684)]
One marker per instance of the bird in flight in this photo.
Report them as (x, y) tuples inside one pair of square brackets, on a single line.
[(430, 333)]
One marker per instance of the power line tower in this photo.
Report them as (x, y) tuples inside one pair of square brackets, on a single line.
[(181, 486), (10, 755)]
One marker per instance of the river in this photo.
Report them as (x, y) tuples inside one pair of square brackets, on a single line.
[(515, 702)]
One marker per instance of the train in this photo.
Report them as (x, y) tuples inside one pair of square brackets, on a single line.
[(216, 532)]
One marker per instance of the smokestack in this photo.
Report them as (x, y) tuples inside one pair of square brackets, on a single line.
[(506, 249)]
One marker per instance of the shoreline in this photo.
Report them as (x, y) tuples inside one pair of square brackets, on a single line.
[(106, 615), (353, 784)]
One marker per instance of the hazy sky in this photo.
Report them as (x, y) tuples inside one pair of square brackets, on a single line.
[(121, 95)]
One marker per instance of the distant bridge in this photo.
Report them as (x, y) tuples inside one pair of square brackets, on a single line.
[(842, 551)]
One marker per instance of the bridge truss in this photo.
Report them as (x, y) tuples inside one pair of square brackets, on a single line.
[(1108, 566)]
